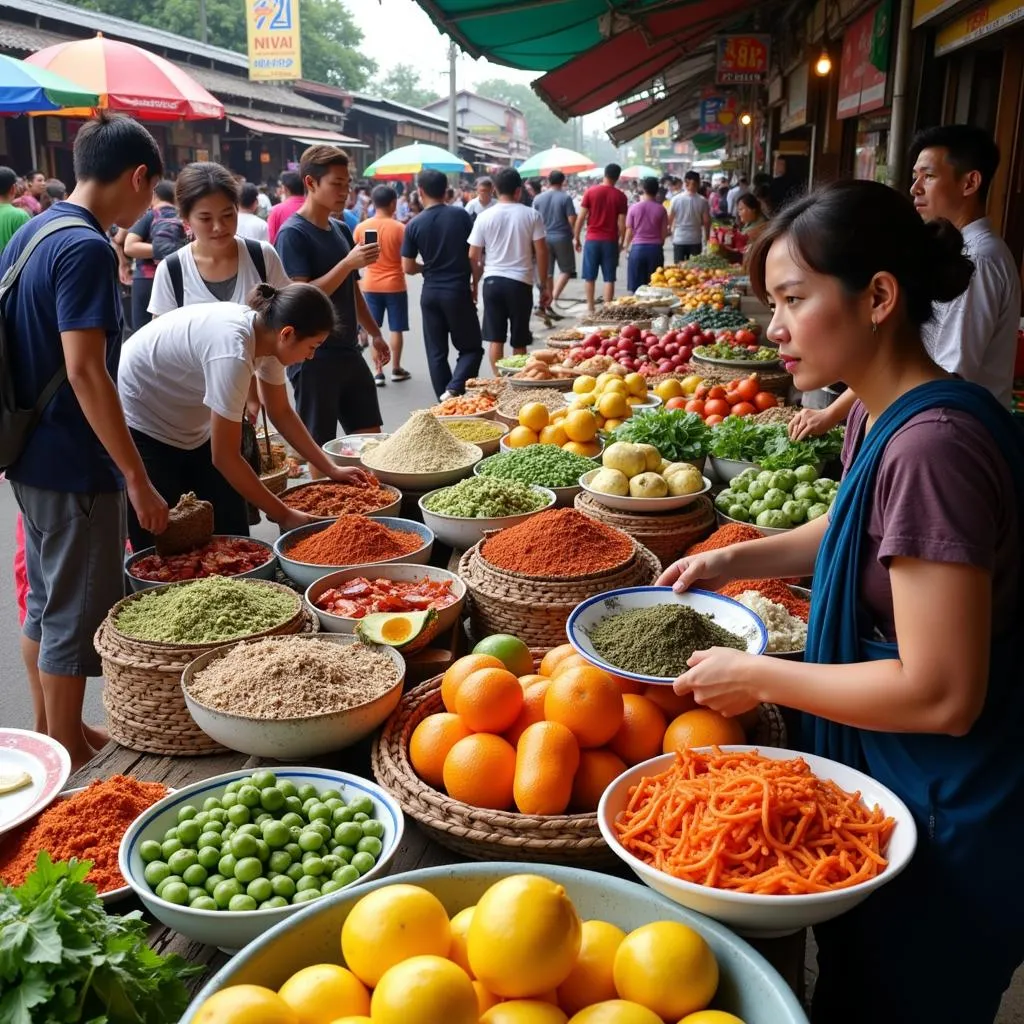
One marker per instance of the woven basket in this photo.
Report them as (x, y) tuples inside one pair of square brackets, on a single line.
[(667, 534), (145, 707), (277, 481), (484, 834), (537, 610)]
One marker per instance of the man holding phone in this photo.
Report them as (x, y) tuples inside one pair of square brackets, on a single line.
[(383, 285)]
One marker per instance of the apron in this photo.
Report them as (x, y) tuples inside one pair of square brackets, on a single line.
[(939, 944)]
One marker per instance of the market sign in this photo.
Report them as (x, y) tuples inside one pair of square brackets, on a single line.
[(977, 24), (717, 113), (794, 113), (275, 50), (742, 60), (865, 63), (926, 10)]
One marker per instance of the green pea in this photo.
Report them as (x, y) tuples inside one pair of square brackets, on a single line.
[(232, 787), (169, 847), (219, 815), (225, 890), (176, 892), (260, 889), (331, 863), (189, 832), (261, 818), (329, 886), (319, 812), (209, 857), (229, 831), (287, 788), (363, 862), (195, 892), (293, 804), (334, 803), (247, 869), (283, 886), (293, 820), (348, 834), (272, 799), (280, 861), (212, 882), (249, 796), (226, 865), (346, 875), (341, 814), (294, 851), (346, 853), (314, 866), (186, 812), (203, 902), (171, 833), (362, 804), (308, 805), (211, 803), (310, 840), (360, 817), (274, 903), (306, 895), (371, 845), (250, 830), (276, 835), (194, 875), (295, 872), (241, 902), (155, 872), (209, 839), (262, 850), (177, 862), (307, 791), (307, 882), (169, 880), (238, 814), (264, 779), (373, 828), (243, 845), (322, 827), (149, 851), (201, 819)]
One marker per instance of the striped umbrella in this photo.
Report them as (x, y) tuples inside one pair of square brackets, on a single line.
[(408, 160), (640, 171), (25, 89), (557, 158)]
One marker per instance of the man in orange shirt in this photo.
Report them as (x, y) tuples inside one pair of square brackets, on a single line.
[(383, 282)]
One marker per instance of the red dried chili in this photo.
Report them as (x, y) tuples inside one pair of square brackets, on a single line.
[(558, 542), (353, 540)]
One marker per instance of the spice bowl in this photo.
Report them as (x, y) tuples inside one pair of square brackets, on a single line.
[(421, 482), (287, 738), (231, 930), (461, 532), (486, 447), (486, 414), (347, 450), (305, 573), (390, 509), (765, 531), (330, 623), (266, 571), (626, 503)]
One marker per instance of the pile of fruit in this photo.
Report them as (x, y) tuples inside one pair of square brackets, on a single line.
[(520, 955), (778, 500), (710, 318), (639, 471), (545, 364), (740, 397), (633, 349), (611, 397), (549, 740), (574, 430)]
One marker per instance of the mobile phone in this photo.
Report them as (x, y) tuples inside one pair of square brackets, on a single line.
[(370, 237)]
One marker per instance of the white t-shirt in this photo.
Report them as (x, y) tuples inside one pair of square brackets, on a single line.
[(689, 212), (182, 366), (474, 207), (506, 232), (162, 300), (251, 226)]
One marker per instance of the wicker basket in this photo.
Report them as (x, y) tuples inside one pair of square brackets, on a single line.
[(667, 534), (485, 834), (142, 697), (275, 481), (537, 610)]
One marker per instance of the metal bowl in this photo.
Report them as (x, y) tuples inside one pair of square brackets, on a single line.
[(353, 442), (420, 482), (626, 503), (390, 509), (266, 571), (461, 532)]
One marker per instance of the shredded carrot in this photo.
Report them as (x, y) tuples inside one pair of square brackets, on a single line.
[(753, 824)]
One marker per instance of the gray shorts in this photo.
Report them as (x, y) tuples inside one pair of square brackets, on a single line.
[(561, 251), (74, 554)]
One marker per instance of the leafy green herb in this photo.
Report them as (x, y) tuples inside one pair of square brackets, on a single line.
[(768, 444), (63, 959), (679, 436)]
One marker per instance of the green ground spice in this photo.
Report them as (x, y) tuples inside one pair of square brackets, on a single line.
[(544, 464), (659, 640), (474, 430), (205, 611), (480, 498)]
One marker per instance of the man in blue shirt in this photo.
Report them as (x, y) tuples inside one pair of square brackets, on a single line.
[(440, 236), (71, 477)]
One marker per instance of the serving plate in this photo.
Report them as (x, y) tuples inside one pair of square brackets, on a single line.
[(45, 760)]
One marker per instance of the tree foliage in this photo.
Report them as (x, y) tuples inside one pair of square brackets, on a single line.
[(544, 129), (403, 84), (330, 37)]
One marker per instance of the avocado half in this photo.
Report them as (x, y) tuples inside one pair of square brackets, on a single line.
[(405, 631)]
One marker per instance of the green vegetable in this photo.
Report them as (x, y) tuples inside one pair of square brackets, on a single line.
[(546, 465), (710, 319), (774, 519), (679, 436), (63, 959), (723, 350), (480, 497), (768, 445), (816, 511)]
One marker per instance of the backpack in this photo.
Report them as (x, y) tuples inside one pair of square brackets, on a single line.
[(254, 249), (167, 233), (17, 424)]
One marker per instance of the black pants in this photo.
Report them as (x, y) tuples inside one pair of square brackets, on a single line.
[(142, 292), (684, 252), (447, 312), (176, 471)]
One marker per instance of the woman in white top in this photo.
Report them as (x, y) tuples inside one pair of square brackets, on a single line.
[(183, 382)]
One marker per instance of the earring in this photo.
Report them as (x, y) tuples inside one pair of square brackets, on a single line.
[(874, 326)]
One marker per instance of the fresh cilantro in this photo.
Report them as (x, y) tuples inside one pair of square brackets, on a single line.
[(768, 444), (679, 436)]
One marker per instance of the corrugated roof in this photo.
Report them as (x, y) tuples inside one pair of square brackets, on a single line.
[(285, 121), (25, 39), (224, 83), (376, 102), (416, 118), (311, 132)]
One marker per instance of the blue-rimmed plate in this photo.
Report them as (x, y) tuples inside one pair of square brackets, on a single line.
[(726, 612)]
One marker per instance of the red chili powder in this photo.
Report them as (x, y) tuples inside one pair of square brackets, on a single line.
[(353, 540), (732, 533), (774, 590)]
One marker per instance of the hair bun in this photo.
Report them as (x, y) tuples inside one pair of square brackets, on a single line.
[(261, 298), (947, 267)]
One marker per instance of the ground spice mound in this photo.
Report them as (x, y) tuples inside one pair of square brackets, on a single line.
[(421, 445), (88, 825), (733, 533), (774, 590), (354, 540), (289, 677), (559, 542), (333, 499)]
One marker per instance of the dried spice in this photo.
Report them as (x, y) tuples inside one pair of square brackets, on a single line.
[(333, 499), (354, 540), (733, 533), (421, 445), (774, 590)]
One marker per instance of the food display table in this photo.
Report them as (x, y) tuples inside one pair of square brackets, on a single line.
[(416, 850)]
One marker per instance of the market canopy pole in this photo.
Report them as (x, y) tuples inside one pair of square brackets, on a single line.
[(453, 127)]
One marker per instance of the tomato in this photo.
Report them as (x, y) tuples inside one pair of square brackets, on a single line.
[(744, 409), (716, 407), (717, 392), (748, 388), (693, 405), (677, 403), (701, 391), (745, 337), (713, 421), (733, 396), (765, 400)]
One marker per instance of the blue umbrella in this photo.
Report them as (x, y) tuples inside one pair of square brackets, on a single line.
[(26, 89)]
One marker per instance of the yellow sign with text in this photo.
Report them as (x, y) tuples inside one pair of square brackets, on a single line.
[(925, 10), (977, 24), (275, 50)]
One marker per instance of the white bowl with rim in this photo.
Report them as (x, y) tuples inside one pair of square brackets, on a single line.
[(486, 447), (627, 503), (347, 450), (565, 497), (754, 914), (419, 483), (462, 532), (390, 509)]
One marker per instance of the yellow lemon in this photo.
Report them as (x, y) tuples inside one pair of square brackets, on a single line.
[(558, 415), (352, 1020), (711, 1017), (425, 990), (580, 425), (521, 437), (670, 388), (691, 383), (616, 386), (602, 380), (554, 434), (612, 424), (666, 967), (390, 925), (636, 384), (612, 404), (524, 937), (246, 1004), (591, 980), (581, 385), (524, 1011), (616, 1011), (485, 1000), (534, 416), (588, 449), (320, 993), (460, 926), (586, 401)]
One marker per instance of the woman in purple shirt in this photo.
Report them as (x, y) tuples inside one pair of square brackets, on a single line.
[(646, 231)]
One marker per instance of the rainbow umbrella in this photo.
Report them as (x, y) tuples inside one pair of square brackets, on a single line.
[(25, 89), (640, 171), (409, 160), (557, 158)]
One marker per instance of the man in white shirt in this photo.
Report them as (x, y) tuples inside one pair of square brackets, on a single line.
[(484, 198), (689, 219), (733, 195), (505, 241), (250, 223), (975, 335)]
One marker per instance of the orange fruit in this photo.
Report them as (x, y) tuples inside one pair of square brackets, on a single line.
[(533, 677), (485, 1000), (532, 710), (547, 757), (642, 731), (573, 660), (554, 657), (668, 700), (598, 768), (534, 416), (554, 433), (587, 702), (479, 770), (430, 742), (628, 685), (509, 650), (588, 449), (489, 700), (580, 425), (701, 727), (521, 437), (458, 670)]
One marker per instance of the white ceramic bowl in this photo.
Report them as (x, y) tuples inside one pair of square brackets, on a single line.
[(628, 504), (446, 617), (555, 383), (728, 469), (266, 571), (487, 447), (765, 531), (390, 509), (232, 931), (505, 447), (750, 987), (422, 482), (353, 442), (305, 573), (750, 913), (565, 497), (462, 533), (289, 738), (727, 613)]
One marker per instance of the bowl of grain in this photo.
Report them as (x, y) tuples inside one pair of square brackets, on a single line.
[(293, 696), (348, 450), (485, 434)]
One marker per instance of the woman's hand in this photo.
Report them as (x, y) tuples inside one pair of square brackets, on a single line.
[(352, 475), (293, 519), (711, 569), (721, 679)]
